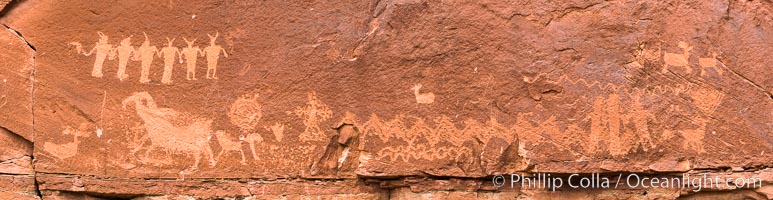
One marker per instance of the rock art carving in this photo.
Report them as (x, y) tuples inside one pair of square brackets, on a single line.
[(146, 52), (422, 98), (706, 100), (125, 51), (212, 52), (169, 53), (611, 124), (312, 114), (678, 60), (710, 63), (443, 131), (4, 97), (245, 112), (606, 125), (172, 131), (70, 149), (278, 130), (229, 145), (103, 48), (253, 139), (191, 54)]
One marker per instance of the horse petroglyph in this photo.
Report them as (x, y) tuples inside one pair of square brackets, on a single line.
[(146, 52)]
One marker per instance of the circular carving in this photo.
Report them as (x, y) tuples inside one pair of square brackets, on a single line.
[(245, 112)]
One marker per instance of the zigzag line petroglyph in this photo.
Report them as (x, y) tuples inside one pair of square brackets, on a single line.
[(423, 152), (659, 90)]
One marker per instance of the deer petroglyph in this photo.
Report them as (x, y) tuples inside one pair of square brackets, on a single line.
[(710, 63)]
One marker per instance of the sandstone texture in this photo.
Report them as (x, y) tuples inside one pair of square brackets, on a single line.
[(381, 99)]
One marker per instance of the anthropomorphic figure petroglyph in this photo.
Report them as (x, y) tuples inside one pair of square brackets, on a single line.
[(125, 51), (229, 145), (173, 131), (245, 113), (169, 53), (678, 60), (191, 54), (103, 48), (312, 114), (145, 54), (425, 98), (710, 63), (212, 53)]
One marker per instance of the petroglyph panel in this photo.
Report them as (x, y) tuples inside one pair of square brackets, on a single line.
[(384, 91)]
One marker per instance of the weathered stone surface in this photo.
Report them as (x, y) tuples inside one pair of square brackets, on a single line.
[(385, 98), (16, 77)]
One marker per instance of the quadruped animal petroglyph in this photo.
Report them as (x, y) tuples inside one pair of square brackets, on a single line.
[(145, 53), (69, 149), (172, 131), (683, 60), (181, 133), (678, 60)]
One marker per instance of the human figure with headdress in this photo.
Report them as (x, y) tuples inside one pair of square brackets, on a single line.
[(125, 51), (212, 53), (168, 53), (191, 54), (103, 49), (145, 55)]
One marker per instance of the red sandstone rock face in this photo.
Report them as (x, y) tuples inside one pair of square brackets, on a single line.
[(381, 99)]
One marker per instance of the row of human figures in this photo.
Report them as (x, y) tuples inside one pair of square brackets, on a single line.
[(145, 53)]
